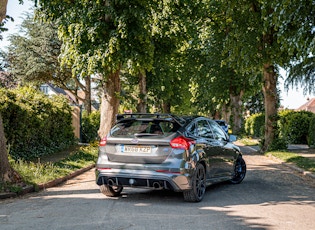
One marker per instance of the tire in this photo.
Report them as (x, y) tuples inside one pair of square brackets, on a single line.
[(198, 182), (111, 191), (239, 171)]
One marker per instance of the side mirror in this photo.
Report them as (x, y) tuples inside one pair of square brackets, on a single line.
[(233, 138)]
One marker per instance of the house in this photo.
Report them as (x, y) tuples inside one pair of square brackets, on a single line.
[(308, 106), (50, 89)]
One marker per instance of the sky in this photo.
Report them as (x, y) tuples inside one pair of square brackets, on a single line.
[(291, 99)]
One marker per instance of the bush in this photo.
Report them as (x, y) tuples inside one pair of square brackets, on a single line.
[(294, 126), (278, 144), (90, 125), (311, 133), (35, 124), (254, 125)]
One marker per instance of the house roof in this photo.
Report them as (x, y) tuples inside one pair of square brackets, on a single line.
[(56, 89), (71, 96), (308, 106)]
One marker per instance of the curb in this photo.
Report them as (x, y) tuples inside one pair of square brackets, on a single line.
[(58, 181), (291, 166), (303, 172), (53, 183)]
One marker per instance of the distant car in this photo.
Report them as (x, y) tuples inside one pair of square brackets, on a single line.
[(224, 125), (161, 151)]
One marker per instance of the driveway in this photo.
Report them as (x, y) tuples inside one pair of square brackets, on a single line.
[(272, 196)]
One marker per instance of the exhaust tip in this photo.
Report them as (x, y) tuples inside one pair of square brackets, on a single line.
[(110, 182), (157, 185)]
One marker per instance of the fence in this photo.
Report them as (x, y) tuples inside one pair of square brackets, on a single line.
[(76, 121)]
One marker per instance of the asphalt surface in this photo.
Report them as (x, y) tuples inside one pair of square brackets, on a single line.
[(272, 196)]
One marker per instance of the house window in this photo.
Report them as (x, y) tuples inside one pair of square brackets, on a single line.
[(44, 89)]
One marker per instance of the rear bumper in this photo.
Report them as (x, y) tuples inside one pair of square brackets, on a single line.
[(143, 178)]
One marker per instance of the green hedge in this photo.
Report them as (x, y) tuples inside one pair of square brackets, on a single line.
[(35, 124), (311, 132), (90, 125), (293, 127), (254, 125)]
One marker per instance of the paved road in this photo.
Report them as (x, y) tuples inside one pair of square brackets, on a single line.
[(271, 197)]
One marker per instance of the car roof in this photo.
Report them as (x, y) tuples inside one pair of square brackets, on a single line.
[(182, 120), (220, 121)]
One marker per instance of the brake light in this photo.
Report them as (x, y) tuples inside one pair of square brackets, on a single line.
[(104, 168), (181, 143), (166, 171), (103, 141)]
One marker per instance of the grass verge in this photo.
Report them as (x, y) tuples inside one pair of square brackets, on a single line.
[(36, 173), (299, 161), (249, 141), (288, 157)]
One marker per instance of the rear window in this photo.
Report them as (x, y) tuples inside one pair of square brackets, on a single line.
[(129, 128)]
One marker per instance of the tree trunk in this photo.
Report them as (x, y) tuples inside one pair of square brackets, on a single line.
[(87, 99), (142, 99), (3, 9), (216, 115), (7, 174), (270, 99), (109, 103), (166, 106), (226, 113), (236, 107)]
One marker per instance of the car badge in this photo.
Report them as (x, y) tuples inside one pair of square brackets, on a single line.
[(134, 140)]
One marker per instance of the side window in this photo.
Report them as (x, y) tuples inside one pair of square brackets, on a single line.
[(168, 127), (219, 134), (203, 129), (192, 130)]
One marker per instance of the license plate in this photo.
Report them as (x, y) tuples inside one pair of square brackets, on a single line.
[(135, 149)]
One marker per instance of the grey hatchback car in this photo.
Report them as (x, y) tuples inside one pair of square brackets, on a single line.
[(163, 151)]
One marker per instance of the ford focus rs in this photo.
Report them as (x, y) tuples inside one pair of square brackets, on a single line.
[(163, 151)]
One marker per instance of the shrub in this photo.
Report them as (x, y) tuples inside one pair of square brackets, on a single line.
[(278, 144), (311, 133), (35, 124), (254, 125), (294, 126), (90, 125)]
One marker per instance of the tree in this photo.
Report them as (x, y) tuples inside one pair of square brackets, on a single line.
[(303, 74), (7, 173), (98, 37), (102, 37), (168, 82), (219, 85), (33, 56), (262, 35), (3, 9)]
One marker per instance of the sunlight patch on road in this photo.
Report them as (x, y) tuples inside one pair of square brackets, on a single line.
[(82, 196), (143, 204), (276, 214)]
